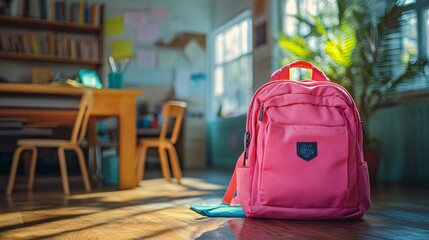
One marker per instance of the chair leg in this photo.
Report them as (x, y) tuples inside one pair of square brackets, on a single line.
[(63, 169), (13, 169), (83, 169), (174, 160), (141, 161), (32, 168), (164, 162)]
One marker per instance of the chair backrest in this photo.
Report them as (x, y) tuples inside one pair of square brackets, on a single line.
[(172, 110), (81, 122)]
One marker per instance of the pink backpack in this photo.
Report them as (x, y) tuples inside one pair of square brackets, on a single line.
[(303, 156)]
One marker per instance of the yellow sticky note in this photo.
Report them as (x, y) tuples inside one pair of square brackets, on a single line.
[(122, 49), (114, 26)]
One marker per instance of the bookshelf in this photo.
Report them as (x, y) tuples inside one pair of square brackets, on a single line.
[(52, 25), (49, 59), (51, 41)]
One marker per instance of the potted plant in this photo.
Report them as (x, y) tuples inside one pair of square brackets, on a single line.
[(353, 50)]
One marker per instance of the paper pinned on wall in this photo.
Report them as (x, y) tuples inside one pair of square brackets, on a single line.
[(189, 84), (194, 53), (114, 26), (198, 84), (146, 58), (135, 18), (159, 14), (148, 33), (122, 49)]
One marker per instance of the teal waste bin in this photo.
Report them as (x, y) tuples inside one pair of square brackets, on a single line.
[(110, 167)]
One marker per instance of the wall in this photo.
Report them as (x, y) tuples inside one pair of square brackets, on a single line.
[(404, 135), (225, 10)]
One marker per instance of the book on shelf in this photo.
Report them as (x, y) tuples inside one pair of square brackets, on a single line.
[(50, 45)]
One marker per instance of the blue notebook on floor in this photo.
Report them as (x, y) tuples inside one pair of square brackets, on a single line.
[(218, 210)]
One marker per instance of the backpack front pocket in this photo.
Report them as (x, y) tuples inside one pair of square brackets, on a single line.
[(304, 166)]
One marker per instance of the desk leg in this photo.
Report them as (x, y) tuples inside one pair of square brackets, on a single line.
[(127, 143), (92, 148)]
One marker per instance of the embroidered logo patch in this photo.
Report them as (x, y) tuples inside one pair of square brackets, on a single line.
[(306, 150)]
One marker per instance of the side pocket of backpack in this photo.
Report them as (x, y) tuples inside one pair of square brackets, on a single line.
[(244, 188), (364, 187)]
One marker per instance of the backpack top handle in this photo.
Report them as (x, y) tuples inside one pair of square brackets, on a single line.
[(284, 72)]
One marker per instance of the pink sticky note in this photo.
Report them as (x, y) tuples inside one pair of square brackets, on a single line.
[(159, 14), (135, 18), (148, 33), (146, 58)]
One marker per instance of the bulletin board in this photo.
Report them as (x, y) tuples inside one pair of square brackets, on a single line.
[(143, 37)]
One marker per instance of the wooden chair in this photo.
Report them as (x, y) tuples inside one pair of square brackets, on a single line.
[(77, 135), (172, 110)]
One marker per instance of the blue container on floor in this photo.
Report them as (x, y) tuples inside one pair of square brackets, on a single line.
[(110, 167)]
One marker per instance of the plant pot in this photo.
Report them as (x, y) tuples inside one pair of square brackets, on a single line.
[(372, 157)]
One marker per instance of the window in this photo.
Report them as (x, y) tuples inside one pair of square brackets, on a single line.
[(409, 37), (232, 67), (412, 41), (415, 41), (308, 10), (305, 9)]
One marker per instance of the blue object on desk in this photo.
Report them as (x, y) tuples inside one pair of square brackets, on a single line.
[(115, 80), (89, 78), (218, 210)]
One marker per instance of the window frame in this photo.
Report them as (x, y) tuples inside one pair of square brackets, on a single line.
[(212, 104)]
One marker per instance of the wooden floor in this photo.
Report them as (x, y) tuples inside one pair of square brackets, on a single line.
[(159, 210)]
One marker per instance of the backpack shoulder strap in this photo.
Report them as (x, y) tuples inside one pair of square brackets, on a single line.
[(230, 191)]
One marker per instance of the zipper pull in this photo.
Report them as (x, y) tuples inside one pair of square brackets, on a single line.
[(247, 139), (261, 112), (247, 142)]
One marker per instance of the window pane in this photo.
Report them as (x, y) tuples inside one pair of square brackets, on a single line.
[(219, 44), (409, 37), (218, 81), (426, 22), (244, 38), (327, 9), (233, 75), (410, 48), (330, 12), (405, 2), (310, 7), (290, 26), (290, 23), (232, 42), (290, 7)]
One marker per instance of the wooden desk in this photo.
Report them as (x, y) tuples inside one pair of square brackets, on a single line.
[(107, 103)]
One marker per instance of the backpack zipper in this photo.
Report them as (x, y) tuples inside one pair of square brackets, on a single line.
[(247, 142), (261, 112)]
